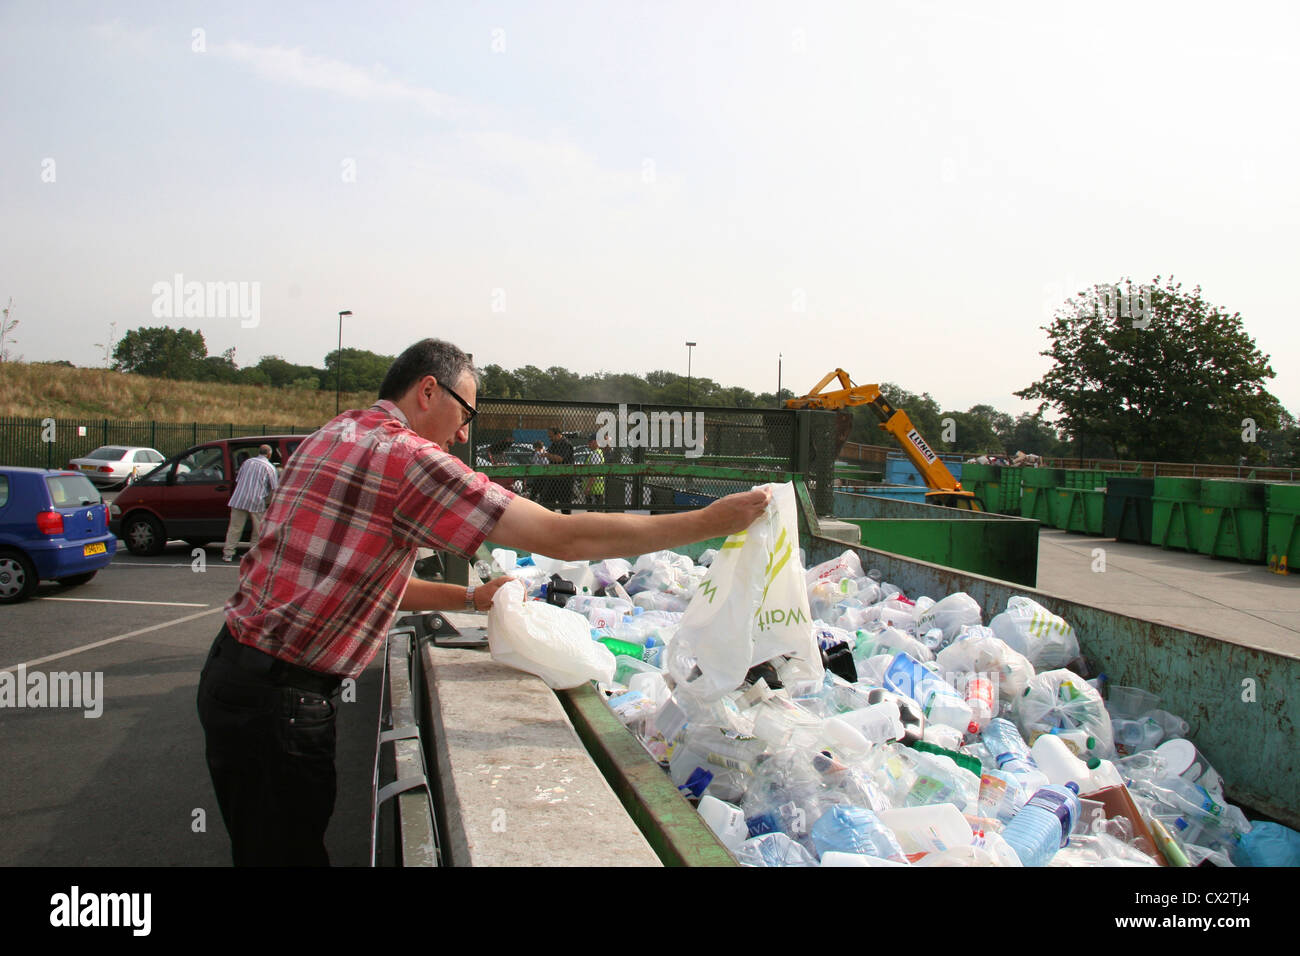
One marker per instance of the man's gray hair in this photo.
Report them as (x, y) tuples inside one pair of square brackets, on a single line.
[(433, 357), (264, 450)]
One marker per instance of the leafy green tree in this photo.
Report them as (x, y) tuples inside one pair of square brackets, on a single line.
[(161, 353), (1032, 434), (1182, 382), (281, 373), (363, 370)]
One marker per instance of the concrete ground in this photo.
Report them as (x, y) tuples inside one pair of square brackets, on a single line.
[(130, 787), (1242, 603)]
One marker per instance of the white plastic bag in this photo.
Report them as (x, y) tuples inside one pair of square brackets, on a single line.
[(1047, 640), (1062, 699), (977, 650), (752, 607), (950, 615), (847, 565), (551, 642)]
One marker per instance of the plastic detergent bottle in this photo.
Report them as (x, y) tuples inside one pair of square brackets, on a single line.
[(1043, 825)]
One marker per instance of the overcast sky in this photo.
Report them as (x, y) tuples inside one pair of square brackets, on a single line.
[(905, 190)]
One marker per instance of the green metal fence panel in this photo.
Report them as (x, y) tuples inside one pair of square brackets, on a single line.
[(686, 444)]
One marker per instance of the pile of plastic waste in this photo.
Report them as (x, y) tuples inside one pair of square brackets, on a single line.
[(928, 738)]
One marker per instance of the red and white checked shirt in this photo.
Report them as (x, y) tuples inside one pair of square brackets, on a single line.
[(322, 586)]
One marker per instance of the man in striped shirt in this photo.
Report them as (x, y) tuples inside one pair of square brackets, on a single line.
[(253, 486), (332, 567)]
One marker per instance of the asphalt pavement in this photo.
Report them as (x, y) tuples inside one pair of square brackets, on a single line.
[(130, 787)]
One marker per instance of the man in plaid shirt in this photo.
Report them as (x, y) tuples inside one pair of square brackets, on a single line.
[(320, 588)]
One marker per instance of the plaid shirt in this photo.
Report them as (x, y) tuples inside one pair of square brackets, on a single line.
[(322, 585)]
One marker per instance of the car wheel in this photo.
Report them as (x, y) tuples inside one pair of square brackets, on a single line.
[(143, 535), (17, 577), (72, 580)]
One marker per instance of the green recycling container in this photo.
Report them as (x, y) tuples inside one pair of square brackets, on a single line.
[(1283, 533), (1232, 520), (1039, 485), (1010, 491), (984, 481), (1080, 510), (1128, 509), (1175, 512)]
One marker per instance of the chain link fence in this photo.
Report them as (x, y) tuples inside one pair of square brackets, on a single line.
[(53, 442), (680, 449)]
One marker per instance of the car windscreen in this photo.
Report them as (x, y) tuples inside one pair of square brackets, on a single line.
[(71, 491), (107, 453)]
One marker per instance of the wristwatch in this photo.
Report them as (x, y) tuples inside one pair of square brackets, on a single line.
[(469, 598)]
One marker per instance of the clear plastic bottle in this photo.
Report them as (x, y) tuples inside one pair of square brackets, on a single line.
[(1043, 824), (982, 700), (1007, 747)]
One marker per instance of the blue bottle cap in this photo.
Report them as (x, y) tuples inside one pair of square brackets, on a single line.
[(1073, 786)]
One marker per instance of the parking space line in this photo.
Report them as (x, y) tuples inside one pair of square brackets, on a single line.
[(114, 601), (113, 640)]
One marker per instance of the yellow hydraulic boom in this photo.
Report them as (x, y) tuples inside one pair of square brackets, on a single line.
[(945, 489)]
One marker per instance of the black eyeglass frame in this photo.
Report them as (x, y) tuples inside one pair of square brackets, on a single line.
[(463, 404)]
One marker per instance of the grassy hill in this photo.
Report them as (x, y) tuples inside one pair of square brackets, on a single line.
[(35, 390)]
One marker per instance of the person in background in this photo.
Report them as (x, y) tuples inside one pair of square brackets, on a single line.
[(558, 491), (256, 480), (593, 489)]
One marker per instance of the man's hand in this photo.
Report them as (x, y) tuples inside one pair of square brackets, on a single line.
[(484, 593), (737, 512)]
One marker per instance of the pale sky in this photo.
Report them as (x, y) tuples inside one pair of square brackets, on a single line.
[(592, 185)]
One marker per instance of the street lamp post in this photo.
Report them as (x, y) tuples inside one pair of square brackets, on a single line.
[(689, 346), (338, 362), (778, 379)]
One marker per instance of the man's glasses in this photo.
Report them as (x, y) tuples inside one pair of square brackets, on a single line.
[(470, 411)]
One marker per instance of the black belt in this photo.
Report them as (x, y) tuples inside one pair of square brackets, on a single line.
[(277, 671)]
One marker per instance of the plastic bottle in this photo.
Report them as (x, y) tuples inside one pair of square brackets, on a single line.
[(982, 700), (725, 820), (1132, 736), (648, 653), (581, 603), (908, 711), (928, 829), (1043, 824), (849, 829), (1007, 747), (1080, 742), (1055, 760), (878, 723)]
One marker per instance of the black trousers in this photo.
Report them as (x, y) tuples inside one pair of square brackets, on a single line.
[(270, 750)]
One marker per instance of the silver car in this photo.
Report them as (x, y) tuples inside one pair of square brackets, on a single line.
[(112, 465)]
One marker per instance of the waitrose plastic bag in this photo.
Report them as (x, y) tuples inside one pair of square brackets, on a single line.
[(752, 607), (545, 640)]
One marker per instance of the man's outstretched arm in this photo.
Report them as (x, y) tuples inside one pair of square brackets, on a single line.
[(527, 526)]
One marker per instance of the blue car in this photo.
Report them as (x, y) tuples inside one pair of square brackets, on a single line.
[(53, 525)]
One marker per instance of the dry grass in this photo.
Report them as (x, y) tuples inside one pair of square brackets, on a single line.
[(33, 390)]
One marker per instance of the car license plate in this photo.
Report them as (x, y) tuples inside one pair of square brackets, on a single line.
[(87, 467), (90, 549)]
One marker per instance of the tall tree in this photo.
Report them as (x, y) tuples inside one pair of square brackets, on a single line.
[(1165, 375), (162, 353)]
